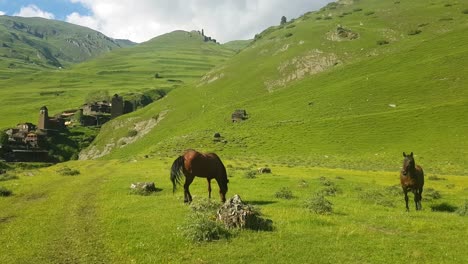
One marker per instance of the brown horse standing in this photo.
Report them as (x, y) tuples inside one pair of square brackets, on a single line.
[(206, 165), (412, 179)]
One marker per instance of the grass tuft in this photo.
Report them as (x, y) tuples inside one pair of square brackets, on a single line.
[(66, 171), (7, 177), (463, 210), (4, 192), (284, 193)]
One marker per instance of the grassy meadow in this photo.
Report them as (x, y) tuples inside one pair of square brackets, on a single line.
[(92, 217)]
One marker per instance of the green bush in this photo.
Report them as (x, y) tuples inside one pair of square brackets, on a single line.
[(465, 12), (287, 35), (319, 204), (284, 193), (202, 227), (369, 13), (5, 192)]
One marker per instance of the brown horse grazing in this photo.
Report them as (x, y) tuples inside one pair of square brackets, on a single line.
[(206, 165), (412, 179)]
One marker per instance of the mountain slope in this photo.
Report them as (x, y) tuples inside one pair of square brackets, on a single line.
[(165, 62), (350, 86), (32, 42)]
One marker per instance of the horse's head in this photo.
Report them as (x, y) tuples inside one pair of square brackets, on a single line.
[(223, 188), (408, 163)]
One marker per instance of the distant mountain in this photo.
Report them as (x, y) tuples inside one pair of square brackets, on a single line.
[(39, 42)]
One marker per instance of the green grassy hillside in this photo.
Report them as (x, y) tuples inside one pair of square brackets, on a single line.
[(168, 61), (351, 86), (35, 43)]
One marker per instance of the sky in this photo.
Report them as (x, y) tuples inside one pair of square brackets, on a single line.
[(141, 20)]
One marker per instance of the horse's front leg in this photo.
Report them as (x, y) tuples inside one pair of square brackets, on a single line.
[(406, 200), (187, 195)]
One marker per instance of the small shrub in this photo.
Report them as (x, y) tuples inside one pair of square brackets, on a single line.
[(319, 204), (448, 5), (251, 174), (339, 178), (4, 192), (382, 42), (66, 171), (291, 26), (201, 227), (328, 18), (7, 177), (369, 13), (443, 207), (287, 35), (463, 210), (450, 186), (357, 9), (414, 32), (465, 12), (132, 133), (431, 194), (284, 193), (436, 178), (330, 191), (326, 182), (318, 18)]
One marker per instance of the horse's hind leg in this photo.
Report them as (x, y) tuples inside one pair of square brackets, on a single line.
[(187, 195), (209, 188)]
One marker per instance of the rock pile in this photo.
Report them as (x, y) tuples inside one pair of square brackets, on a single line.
[(143, 187), (234, 213)]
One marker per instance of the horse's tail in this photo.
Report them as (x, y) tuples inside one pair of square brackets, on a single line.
[(176, 172)]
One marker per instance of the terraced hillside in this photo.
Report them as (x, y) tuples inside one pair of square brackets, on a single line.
[(350, 86), (168, 61)]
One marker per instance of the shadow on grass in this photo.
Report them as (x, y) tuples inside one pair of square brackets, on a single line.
[(260, 202), (443, 207)]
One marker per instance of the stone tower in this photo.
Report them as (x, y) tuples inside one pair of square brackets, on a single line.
[(43, 122), (117, 106)]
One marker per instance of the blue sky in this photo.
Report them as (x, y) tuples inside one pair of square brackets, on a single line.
[(141, 20), (59, 8)]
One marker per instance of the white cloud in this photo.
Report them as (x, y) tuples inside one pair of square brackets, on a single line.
[(224, 20), (2, 13), (33, 11)]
